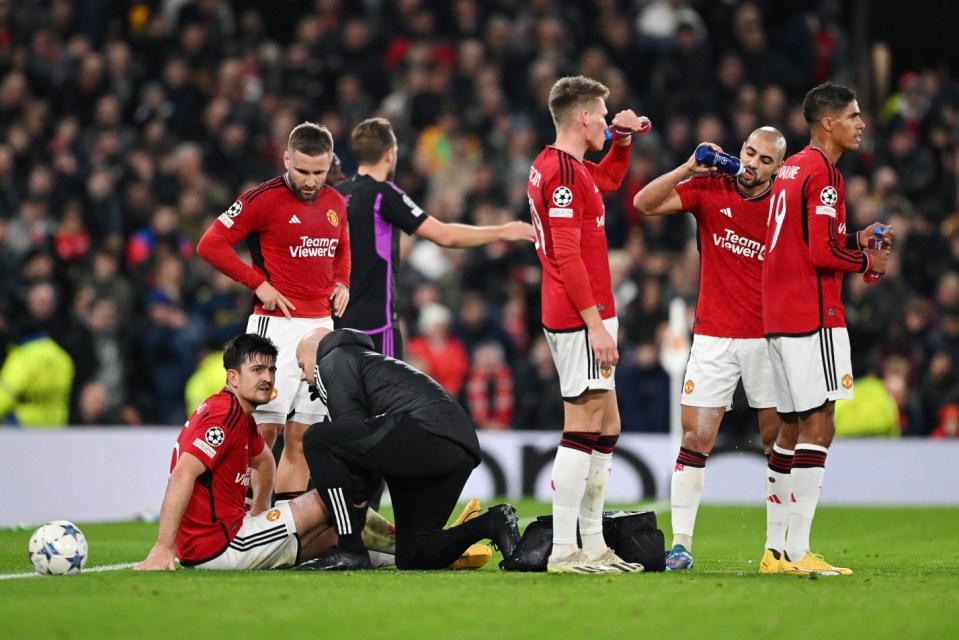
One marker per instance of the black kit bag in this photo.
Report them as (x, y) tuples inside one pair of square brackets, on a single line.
[(633, 535)]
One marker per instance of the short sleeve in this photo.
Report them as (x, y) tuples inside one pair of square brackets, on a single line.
[(399, 209)]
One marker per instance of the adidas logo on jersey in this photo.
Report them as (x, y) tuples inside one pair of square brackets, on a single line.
[(294, 220)]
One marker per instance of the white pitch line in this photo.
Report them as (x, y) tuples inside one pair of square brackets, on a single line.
[(105, 567)]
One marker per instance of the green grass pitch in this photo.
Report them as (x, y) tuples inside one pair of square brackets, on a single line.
[(906, 585)]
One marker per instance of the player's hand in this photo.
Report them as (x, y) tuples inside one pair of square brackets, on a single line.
[(693, 167), (516, 230), (627, 119), (878, 259), (273, 299), (340, 298), (159, 559), (604, 347), (888, 235)]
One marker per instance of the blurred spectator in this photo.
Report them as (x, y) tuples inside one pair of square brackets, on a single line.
[(169, 340), (948, 426), (37, 375), (871, 412), (489, 388), (645, 406), (441, 353), (208, 377), (538, 402)]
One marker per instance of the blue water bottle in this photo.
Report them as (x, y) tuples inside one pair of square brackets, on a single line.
[(723, 162)]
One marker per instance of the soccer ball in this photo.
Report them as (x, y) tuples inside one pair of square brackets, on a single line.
[(58, 548)]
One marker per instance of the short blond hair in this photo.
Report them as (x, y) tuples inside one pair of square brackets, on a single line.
[(571, 93)]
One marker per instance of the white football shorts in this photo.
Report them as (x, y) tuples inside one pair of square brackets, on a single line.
[(715, 367), (265, 541), (810, 370), (292, 396), (579, 371)]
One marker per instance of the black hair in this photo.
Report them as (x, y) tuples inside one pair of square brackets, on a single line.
[(243, 347), (828, 98)]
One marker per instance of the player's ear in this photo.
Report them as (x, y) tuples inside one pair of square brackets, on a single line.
[(286, 160)]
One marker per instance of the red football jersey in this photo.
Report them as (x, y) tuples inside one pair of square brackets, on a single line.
[(226, 440), (563, 192), (732, 237), (302, 248), (807, 249)]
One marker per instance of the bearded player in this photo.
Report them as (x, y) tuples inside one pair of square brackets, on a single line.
[(219, 453), (728, 344), (295, 229), (579, 317), (808, 250)]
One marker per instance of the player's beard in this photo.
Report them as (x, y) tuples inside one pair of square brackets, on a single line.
[(750, 184), (300, 193)]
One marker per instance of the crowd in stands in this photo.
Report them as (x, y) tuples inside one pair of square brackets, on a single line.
[(127, 127)]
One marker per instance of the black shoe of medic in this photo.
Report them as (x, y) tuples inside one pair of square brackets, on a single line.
[(337, 559), (505, 528)]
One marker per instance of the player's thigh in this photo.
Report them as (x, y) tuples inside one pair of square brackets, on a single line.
[(712, 373), (812, 370), (265, 541), (757, 373), (579, 371)]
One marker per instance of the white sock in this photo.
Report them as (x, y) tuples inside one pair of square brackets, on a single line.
[(591, 507), (778, 488), (570, 471), (686, 492), (806, 478)]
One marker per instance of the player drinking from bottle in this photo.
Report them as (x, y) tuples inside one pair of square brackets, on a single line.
[(579, 316), (728, 343)]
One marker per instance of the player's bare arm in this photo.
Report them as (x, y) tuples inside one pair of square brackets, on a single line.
[(261, 480), (273, 299), (459, 236), (659, 197), (179, 489)]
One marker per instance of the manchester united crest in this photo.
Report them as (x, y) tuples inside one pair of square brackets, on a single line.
[(847, 381), (688, 387), (273, 515), (332, 217), (606, 372)]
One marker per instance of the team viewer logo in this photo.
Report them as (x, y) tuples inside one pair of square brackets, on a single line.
[(214, 436), (828, 196), (273, 515), (562, 196), (688, 387), (847, 381), (331, 216)]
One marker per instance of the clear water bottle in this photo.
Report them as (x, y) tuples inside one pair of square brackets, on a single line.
[(875, 242), (723, 162), (618, 133)]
